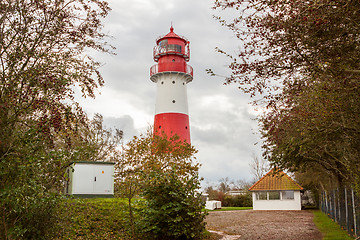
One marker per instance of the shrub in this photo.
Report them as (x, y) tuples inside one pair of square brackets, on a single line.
[(237, 201), (174, 208)]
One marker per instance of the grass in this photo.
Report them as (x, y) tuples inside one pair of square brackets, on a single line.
[(108, 219), (100, 218), (231, 208), (330, 229)]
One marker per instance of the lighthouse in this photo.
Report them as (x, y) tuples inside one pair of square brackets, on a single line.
[(171, 75)]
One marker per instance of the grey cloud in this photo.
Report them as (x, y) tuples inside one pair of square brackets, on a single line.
[(124, 123), (222, 132)]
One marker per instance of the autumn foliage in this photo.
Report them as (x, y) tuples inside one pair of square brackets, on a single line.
[(164, 172), (300, 60), (43, 57)]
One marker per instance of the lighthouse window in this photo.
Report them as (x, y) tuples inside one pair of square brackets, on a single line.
[(173, 101), (163, 46), (185, 127), (162, 82), (173, 60), (159, 126), (163, 43), (173, 82), (174, 48), (183, 83)]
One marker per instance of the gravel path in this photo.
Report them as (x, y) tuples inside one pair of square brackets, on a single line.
[(267, 225)]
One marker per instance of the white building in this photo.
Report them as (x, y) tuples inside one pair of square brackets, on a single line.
[(276, 191), (90, 179), (237, 192)]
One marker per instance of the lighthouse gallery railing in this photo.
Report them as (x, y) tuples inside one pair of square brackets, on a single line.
[(155, 69)]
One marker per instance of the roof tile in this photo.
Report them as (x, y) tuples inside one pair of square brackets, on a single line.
[(275, 180)]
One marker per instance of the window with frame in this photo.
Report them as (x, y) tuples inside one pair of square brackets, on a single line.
[(261, 196), (287, 195), (163, 46), (163, 43), (174, 48), (275, 195)]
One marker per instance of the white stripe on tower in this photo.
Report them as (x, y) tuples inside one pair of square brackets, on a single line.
[(171, 94)]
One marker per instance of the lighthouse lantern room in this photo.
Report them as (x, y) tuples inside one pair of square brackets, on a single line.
[(171, 75)]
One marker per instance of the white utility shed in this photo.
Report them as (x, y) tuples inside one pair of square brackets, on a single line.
[(276, 191), (90, 179)]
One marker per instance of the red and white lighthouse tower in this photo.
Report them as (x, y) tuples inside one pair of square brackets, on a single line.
[(171, 75)]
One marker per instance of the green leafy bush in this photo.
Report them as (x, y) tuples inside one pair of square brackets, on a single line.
[(237, 201), (174, 208), (92, 219), (28, 192), (164, 171)]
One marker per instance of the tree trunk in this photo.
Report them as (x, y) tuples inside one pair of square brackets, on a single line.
[(131, 219)]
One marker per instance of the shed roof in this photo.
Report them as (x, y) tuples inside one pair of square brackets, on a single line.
[(90, 162), (275, 180)]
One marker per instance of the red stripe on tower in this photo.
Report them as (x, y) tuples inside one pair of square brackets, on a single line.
[(171, 75)]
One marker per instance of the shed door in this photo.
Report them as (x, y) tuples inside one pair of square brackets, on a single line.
[(103, 183), (83, 179)]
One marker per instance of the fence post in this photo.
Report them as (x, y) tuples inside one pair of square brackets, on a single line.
[(339, 205), (320, 202), (346, 210), (354, 210), (335, 213), (326, 203)]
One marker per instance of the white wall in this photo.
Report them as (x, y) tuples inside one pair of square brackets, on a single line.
[(88, 178), (171, 87), (294, 204)]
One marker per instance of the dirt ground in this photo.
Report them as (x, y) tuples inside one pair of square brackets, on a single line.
[(269, 225)]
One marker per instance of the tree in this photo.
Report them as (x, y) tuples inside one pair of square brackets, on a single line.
[(224, 185), (259, 167), (221, 192), (43, 56), (95, 143), (302, 58), (319, 130), (130, 171), (284, 40), (317, 180), (163, 171), (243, 184), (214, 194)]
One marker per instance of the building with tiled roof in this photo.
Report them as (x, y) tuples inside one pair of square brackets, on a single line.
[(276, 191)]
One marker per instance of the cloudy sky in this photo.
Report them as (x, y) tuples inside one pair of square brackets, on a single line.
[(222, 122)]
